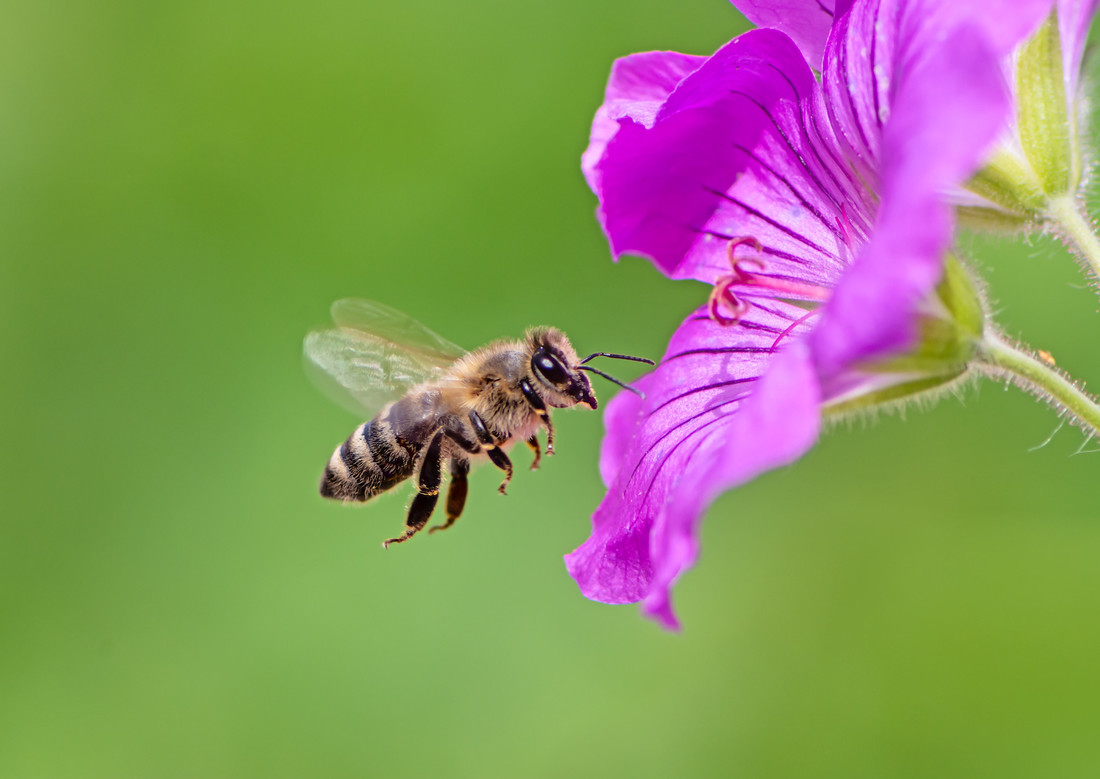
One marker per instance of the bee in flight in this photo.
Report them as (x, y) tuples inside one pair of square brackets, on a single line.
[(437, 403)]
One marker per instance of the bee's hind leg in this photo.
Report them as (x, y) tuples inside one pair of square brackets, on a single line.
[(427, 491), (456, 493)]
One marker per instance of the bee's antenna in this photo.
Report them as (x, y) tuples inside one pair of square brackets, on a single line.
[(612, 379), (616, 357)]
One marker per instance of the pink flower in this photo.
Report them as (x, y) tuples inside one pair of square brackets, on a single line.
[(816, 212)]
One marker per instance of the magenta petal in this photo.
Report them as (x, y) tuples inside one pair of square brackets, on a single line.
[(778, 423), (874, 39), (947, 110), (1003, 23), (734, 150), (856, 81), (1074, 19), (700, 431), (807, 22), (619, 420), (638, 85)]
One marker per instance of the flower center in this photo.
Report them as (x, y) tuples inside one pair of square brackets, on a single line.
[(726, 307)]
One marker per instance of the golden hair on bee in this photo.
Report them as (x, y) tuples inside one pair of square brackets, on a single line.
[(440, 406)]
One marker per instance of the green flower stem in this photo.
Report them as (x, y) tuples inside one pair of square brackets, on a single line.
[(1076, 230), (1040, 379)]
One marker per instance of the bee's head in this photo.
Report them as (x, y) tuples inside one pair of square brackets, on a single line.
[(556, 366)]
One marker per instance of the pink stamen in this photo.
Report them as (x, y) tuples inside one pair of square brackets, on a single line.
[(745, 274), (786, 287), (723, 294), (787, 331), (744, 240)]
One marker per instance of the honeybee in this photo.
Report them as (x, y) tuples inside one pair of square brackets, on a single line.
[(438, 405)]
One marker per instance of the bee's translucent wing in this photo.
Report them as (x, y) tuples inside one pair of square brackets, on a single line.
[(373, 355)]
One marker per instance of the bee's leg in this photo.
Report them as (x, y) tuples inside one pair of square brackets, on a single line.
[(533, 442), (540, 408), (427, 491), (456, 493), (489, 446)]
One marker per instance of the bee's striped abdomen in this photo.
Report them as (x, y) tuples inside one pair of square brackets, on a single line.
[(370, 461)]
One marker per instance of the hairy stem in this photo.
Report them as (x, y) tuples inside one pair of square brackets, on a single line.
[(1041, 379), (1076, 230)]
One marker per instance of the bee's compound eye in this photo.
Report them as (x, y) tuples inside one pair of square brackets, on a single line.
[(550, 368)]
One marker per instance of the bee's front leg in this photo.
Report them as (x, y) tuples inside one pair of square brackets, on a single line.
[(489, 446), (536, 402), (427, 491), (533, 442)]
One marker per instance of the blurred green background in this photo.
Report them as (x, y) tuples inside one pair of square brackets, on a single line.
[(185, 189)]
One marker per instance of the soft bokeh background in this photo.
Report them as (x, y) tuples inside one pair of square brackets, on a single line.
[(185, 187)]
